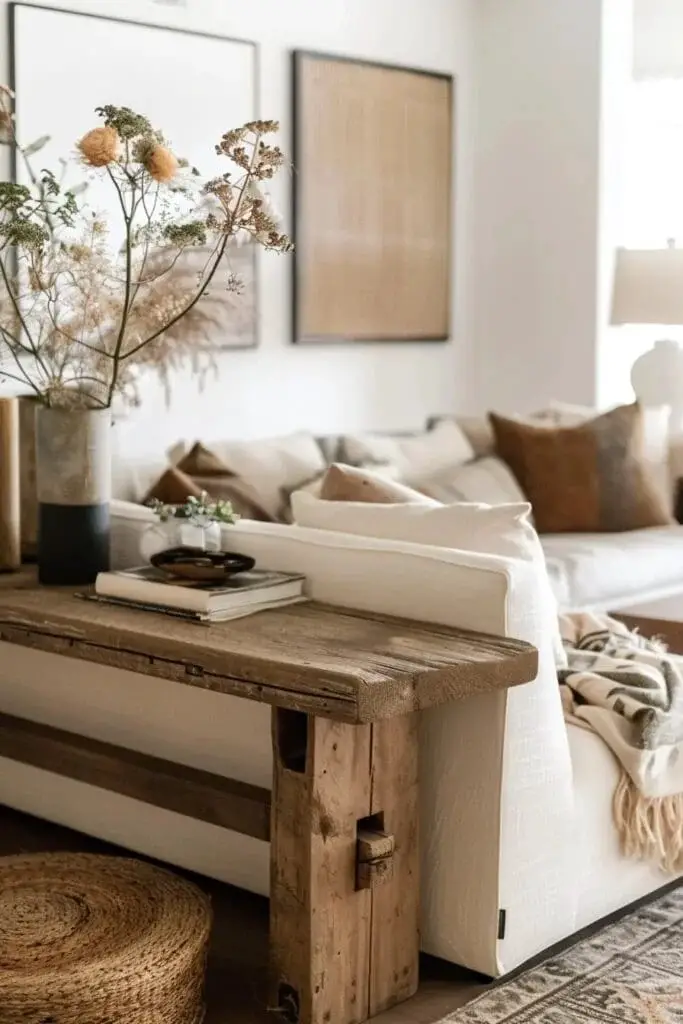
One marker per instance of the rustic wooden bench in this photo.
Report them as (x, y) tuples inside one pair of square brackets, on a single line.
[(342, 819)]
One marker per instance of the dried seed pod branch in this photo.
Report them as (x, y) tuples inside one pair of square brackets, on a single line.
[(77, 317)]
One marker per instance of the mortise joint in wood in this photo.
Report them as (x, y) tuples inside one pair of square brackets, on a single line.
[(288, 1004), (374, 853)]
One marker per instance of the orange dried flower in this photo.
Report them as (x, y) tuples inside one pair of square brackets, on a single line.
[(160, 163), (100, 146)]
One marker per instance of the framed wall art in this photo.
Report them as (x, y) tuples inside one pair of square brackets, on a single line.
[(372, 201), (194, 85)]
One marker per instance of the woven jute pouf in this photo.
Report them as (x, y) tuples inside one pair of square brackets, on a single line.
[(99, 940)]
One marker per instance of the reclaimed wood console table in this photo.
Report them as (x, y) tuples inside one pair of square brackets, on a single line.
[(342, 818)]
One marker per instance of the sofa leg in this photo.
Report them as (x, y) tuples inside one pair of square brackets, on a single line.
[(344, 927)]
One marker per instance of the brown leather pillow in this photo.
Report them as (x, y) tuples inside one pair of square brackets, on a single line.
[(200, 471), (590, 478), (348, 483)]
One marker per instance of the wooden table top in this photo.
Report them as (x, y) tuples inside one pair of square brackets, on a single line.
[(347, 665)]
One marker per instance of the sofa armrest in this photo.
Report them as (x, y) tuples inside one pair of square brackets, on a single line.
[(496, 785)]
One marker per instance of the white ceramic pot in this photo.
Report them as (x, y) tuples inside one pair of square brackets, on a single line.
[(174, 532)]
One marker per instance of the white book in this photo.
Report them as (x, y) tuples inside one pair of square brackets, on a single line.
[(244, 590), (201, 617)]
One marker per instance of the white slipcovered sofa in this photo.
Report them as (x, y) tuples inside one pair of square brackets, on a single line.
[(518, 848)]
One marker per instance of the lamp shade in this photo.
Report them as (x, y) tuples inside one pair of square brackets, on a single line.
[(648, 286)]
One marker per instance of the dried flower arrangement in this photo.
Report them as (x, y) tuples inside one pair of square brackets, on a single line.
[(76, 317)]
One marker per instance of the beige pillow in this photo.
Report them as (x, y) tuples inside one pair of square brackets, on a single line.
[(270, 464), (417, 457), (486, 480), (349, 483)]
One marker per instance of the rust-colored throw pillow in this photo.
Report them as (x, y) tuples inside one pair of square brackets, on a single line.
[(201, 471), (348, 483), (590, 478)]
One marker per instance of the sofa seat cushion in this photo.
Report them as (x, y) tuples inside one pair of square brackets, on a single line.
[(602, 569), (604, 879)]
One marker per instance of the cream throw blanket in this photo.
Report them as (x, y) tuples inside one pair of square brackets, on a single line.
[(629, 691)]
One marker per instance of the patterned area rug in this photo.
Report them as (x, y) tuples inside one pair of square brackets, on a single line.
[(630, 972)]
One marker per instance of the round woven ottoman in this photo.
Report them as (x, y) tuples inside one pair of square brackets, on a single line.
[(99, 940)]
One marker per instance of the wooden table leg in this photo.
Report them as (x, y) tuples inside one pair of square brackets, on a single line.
[(341, 953)]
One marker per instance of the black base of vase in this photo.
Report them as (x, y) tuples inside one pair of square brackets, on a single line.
[(73, 543)]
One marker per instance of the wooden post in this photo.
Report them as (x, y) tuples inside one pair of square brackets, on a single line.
[(340, 953), (394, 933), (10, 516)]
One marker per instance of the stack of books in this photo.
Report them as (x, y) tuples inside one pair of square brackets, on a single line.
[(245, 593)]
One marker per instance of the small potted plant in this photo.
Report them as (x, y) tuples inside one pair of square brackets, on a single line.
[(196, 523)]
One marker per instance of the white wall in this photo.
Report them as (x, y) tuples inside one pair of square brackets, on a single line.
[(547, 104), (281, 387), (615, 345), (658, 49), (536, 201)]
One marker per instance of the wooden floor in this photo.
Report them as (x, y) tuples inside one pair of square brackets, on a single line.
[(239, 949)]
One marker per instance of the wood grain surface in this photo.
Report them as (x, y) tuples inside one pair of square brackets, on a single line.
[(396, 905), (327, 661)]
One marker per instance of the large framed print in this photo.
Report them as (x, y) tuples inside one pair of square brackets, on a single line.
[(372, 201), (193, 85)]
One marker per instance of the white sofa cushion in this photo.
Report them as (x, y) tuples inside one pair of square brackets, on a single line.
[(600, 570), (486, 480), (272, 464), (490, 529), (417, 457)]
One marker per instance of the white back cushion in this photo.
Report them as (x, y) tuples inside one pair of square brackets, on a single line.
[(417, 457), (490, 529)]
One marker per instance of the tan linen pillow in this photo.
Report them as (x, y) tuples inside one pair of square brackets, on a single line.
[(591, 478), (348, 483)]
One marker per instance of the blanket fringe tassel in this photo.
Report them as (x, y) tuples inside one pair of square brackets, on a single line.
[(650, 828)]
